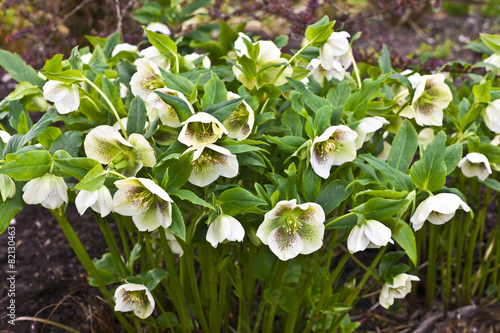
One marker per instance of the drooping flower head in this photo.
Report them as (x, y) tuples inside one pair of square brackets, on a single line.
[(431, 96), (106, 145), (50, 191), (240, 122), (368, 234), (334, 147), (148, 204), (146, 79), (225, 227), (7, 187), (339, 66), (100, 201), (201, 129), (492, 116), (158, 27), (192, 57), (335, 46), (134, 297), (65, 96), (437, 209), (210, 162), (157, 107), (475, 164), (290, 229), (156, 57), (400, 287), (367, 127), (124, 47)]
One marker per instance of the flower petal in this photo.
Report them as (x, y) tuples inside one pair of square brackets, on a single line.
[(357, 240), (377, 232), (285, 245)]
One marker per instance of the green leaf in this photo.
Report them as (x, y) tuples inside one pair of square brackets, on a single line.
[(491, 41), (77, 167), (153, 277), (163, 43), (406, 239), (452, 155), (358, 102), (384, 60), (288, 300), (492, 183), (93, 180), (23, 89), (191, 197), (236, 200), (177, 82), (10, 207), (333, 195), (311, 184), (379, 208), (69, 76), (180, 107), (28, 166), (430, 171), (320, 31), (54, 65), (398, 179), (215, 92), (137, 115), (69, 142), (111, 42), (404, 146), (179, 170), (178, 227), (223, 110), (48, 136), (75, 61), (20, 141), (338, 95), (322, 119), (18, 69), (482, 92)]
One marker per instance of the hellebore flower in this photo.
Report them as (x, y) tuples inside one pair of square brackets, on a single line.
[(367, 127), (158, 28), (431, 96), (369, 234), (155, 56), (210, 162), (492, 116), (50, 191), (334, 147), (146, 79), (290, 229), (167, 114), (493, 59), (173, 244), (269, 54), (65, 97), (7, 187), (201, 129), (134, 297), (124, 47), (240, 122), (335, 46), (192, 57), (340, 64), (148, 204), (225, 227), (400, 287), (100, 201), (384, 154), (105, 145), (437, 209), (426, 136), (475, 164), (5, 137)]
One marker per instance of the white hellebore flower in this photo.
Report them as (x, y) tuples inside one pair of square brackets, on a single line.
[(431, 96), (225, 227), (400, 287), (426, 136), (146, 79), (206, 63), (134, 297), (340, 64), (157, 107), (124, 47), (269, 54), (334, 147), (148, 204), (50, 191), (154, 55), (210, 162), (5, 137), (86, 58), (290, 229), (335, 46), (106, 145), (493, 59), (369, 234), (240, 122), (492, 116), (100, 201), (159, 28), (65, 97), (7, 187), (437, 209), (475, 164), (173, 243), (367, 127), (201, 129)]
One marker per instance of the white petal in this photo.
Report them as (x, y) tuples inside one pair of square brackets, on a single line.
[(218, 230), (268, 52), (285, 245), (312, 237), (55, 91), (36, 191), (84, 200), (357, 240), (377, 233)]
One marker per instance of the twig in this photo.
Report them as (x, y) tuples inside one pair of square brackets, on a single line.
[(118, 18), (61, 22)]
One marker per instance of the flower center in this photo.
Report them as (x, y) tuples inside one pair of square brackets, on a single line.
[(135, 297), (205, 132), (426, 99), (328, 147), (152, 83), (292, 225)]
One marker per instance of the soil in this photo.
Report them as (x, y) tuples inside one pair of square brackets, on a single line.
[(51, 284)]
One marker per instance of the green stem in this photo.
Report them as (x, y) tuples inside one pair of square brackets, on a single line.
[(188, 259), (355, 68), (112, 245), (87, 263), (338, 219), (110, 105), (282, 69), (276, 290), (431, 265)]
